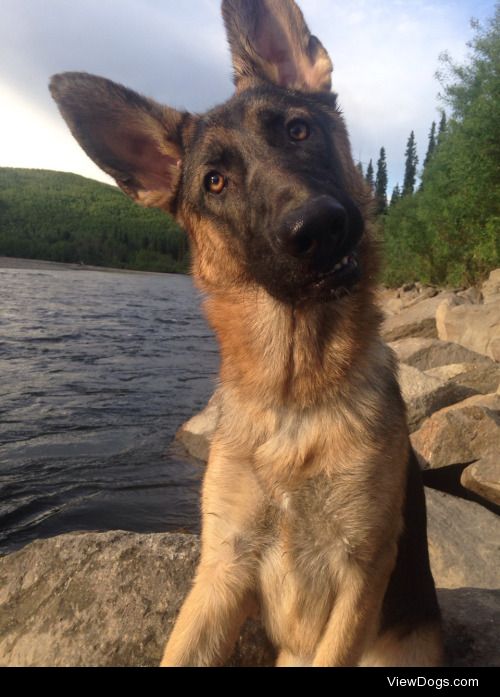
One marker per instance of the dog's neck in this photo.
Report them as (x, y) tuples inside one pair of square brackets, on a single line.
[(277, 354)]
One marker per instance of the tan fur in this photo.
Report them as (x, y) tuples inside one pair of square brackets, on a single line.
[(293, 496), (304, 501)]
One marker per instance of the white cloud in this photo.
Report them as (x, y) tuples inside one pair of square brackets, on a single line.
[(29, 137)]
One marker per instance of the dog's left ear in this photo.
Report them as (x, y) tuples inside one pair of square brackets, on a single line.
[(270, 40)]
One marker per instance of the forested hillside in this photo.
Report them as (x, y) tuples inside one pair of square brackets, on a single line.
[(64, 217)]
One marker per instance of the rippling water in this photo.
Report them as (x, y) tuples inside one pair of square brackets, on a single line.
[(97, 371)]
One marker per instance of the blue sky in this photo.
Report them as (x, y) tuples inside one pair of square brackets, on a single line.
[(385, 54)]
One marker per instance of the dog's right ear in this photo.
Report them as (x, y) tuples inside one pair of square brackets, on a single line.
[(135, 140)]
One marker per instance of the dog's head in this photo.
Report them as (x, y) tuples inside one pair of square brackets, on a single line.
[(265, 184)]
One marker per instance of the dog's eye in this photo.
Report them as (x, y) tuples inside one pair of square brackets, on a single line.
[(215, 182), (298, 130)]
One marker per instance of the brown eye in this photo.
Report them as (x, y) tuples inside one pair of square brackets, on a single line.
[(215, 182), (299, 130)]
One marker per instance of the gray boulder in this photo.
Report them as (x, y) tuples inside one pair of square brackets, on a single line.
[(488, 401), (471, 618), (417, 320), (477, 327), (472, 295), (464, 542), (464, 547), (424, 395), (428, 354), (392, 301), (101, 599), (457, 436), (491, 288), (480, 377), (483, 477)]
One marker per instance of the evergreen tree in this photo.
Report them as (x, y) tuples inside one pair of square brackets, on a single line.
[(410, 166), (370, 175), (396, 195), (381, 183), (360, 168), (442, 127), (432, 144)]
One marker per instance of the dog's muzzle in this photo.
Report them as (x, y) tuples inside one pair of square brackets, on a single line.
[(322, 236)]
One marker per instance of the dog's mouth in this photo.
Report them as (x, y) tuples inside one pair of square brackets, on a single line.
[(345, 274)]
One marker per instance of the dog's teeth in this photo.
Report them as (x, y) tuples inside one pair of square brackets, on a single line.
[(345, 261), (337, 267)]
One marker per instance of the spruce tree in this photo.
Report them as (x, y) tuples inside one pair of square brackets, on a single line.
[(442, 127), (370, 175), (410, 166), (360, 168), (396, 195), (432, 144), (381, 183)]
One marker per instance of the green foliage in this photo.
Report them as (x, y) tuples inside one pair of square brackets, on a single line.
[(449, 231), (65, 217)]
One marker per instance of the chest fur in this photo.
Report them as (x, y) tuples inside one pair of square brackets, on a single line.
[(313, 539)]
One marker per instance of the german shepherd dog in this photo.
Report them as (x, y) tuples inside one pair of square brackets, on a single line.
[(313, 507)]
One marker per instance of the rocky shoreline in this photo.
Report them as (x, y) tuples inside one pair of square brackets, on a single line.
[(41, 265), (110, 599)]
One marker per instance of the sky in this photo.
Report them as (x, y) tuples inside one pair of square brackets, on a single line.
[(385, 55)]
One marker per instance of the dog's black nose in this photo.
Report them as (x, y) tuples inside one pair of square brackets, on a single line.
[(316, 229)]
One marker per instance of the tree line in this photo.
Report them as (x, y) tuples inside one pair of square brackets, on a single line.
[(67, 218), (378, 182), (442, 225)]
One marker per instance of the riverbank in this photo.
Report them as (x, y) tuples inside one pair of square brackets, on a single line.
[(41, 265)]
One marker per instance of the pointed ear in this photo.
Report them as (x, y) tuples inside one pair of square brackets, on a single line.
[(135, 140), (269, 40)]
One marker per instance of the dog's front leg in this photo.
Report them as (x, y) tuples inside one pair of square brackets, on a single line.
[(208, 624), (353, 621), (222, 595)]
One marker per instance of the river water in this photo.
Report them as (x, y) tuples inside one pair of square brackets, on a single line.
[(97, 372)]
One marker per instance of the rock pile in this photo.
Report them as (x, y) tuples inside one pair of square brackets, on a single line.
[(451, 380)]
